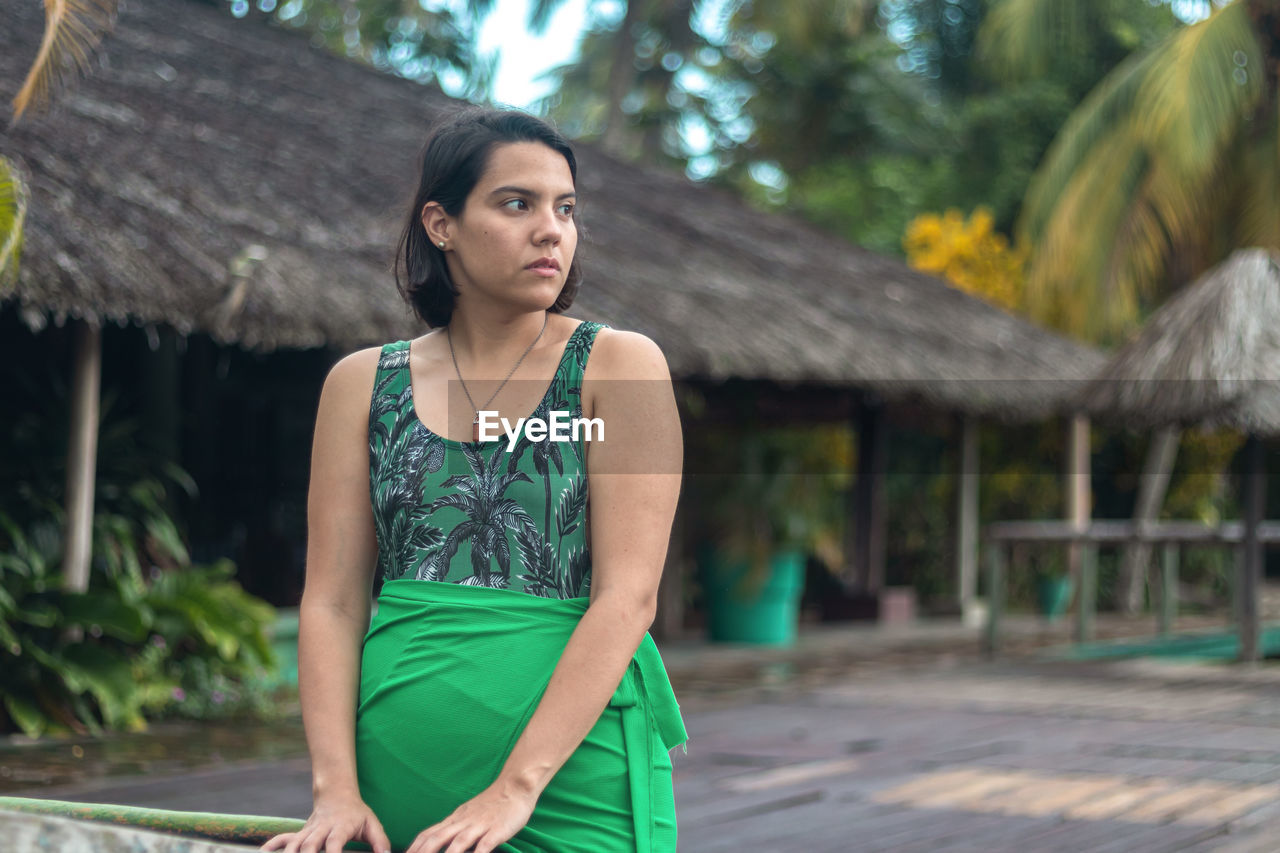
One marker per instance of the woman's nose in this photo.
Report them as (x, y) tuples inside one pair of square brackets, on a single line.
[(548, 226)]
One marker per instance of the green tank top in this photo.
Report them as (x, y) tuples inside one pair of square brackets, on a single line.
[(474, 513)]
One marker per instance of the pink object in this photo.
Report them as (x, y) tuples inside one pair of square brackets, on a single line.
[(897, 605)]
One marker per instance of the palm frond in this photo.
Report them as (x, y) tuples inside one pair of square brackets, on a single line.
[(573, 499), (1141, 172), (1257, 199), (72, 29), (13, 214), (540, 12), (1019, 37), (478, 10), (1066, 286), (1108, 107), (1200, 87), (577, 570)]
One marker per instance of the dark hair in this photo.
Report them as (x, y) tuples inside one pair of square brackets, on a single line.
[(453, 159)]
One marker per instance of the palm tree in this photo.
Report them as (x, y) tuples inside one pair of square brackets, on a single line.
[(545, 454), (617, 65), (1168, 165), (398, 513), (816, 68), (489, 514), (72, 29)]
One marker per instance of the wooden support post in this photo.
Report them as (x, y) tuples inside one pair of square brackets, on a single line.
[(967, 516), (1088, 598), (1234, 576), (995, 560), (1168, 587), (868, 532), (1152, 486), (1251, 565), (1079, 495), (82, 455)]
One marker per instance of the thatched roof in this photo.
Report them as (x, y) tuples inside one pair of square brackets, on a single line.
[(1208, 357), (203, 147)]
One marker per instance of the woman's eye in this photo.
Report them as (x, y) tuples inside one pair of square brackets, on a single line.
[(567, 208), (513, 201)]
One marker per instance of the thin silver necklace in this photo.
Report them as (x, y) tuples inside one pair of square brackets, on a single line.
[(475, 421)]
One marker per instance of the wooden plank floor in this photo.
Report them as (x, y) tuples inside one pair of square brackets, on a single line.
[(1016, 756)]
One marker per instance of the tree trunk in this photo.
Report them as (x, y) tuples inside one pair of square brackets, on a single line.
[(1079, 488), (622, 73), (82, 455), (967, 514), (1151, 491)]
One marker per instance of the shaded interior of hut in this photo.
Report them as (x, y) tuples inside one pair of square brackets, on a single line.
[(218, 438)]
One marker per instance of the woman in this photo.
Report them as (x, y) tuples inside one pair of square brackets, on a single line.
[(507, 695)]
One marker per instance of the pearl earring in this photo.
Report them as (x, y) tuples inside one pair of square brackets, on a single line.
[(441, 244)]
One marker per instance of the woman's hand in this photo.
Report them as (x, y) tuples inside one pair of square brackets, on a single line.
[(332, 824), (480, 824)]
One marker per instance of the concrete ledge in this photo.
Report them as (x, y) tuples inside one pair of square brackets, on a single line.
[(22, 831)]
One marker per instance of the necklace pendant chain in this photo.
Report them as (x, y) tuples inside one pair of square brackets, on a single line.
[(475, 421)]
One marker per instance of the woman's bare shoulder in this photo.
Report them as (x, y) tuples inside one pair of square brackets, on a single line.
[(351, 378), (620, 354)]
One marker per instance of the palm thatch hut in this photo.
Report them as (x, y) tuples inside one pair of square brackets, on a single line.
[(226, 178), (1209, 357)]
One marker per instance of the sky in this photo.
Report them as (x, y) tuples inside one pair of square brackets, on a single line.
[(522, 56)]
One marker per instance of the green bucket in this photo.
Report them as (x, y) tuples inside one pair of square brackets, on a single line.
[(1054, 596), (284, 642), (744, 609)]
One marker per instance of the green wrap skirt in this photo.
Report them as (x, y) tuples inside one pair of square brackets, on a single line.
[(450, 676)]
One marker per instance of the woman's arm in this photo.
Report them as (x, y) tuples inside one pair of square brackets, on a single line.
[(341, 555), (342, 552), (633, 484)]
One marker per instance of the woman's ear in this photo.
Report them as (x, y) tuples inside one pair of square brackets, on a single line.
[(436, 222)]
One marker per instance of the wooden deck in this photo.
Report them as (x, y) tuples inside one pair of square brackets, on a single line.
[(935, 752)]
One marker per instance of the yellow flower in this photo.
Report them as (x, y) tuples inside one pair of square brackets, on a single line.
[(969, 254)]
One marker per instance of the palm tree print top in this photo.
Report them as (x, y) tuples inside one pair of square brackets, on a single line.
[(471, 512)]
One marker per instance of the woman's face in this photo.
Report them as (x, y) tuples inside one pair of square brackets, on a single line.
[(515, 238)]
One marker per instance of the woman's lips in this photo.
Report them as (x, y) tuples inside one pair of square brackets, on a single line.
[(545, 267)]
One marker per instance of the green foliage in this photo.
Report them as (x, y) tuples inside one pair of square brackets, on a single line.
[(427, 42), (1157, 175), (153, 634), (127, 648), (1076, 43), (860, 124), (630, 71), (13, 212), (770, 489)]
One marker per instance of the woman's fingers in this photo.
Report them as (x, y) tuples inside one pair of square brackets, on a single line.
[(433, 839), (294, 842), (465, 840), (301, 837), (458, 838), (376, 835), (277, 840)]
